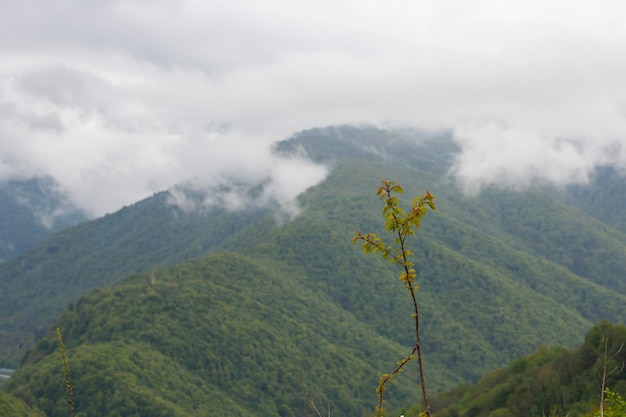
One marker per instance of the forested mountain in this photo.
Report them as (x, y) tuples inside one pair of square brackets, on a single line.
[(226, 335), (30, 211), (149, 234), (603, 198), (550, 381), (10, 406), (500, 274)]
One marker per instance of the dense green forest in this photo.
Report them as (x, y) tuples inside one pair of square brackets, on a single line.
[(603, 198), (146, 235), (284, 304), (549, 381), (11, 406), (225, 335)]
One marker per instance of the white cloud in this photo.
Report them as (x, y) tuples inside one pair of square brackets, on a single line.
[(276, 184), (118, 99), (499, 155)]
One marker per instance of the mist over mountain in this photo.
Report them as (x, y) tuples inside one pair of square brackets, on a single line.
[(164, 123), (500, 273), (117, 102), (32, 210)]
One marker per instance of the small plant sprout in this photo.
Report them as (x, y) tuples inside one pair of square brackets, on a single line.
[(401, 224)]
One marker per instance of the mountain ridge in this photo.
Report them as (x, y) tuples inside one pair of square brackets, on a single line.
[(497, 278)]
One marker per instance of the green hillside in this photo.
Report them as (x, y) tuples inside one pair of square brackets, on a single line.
[(551, 380), (13, 407), (481, 293), (223, 336), (150, 234), (500, 274), (603, 198)]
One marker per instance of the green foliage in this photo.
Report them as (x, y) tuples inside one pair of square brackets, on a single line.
[(13, 407), (615, 405), (604, 197), (225, 335), (518, 254), (553, 381), (150, 234), (401, 225)]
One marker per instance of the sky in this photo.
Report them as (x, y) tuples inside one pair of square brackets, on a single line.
[(119, 99)]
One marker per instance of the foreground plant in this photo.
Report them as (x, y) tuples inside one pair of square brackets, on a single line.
[(68, 383), (402, 225), (314, 406)]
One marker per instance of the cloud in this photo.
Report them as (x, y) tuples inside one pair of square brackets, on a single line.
[(117, 100), (276, 184), (511, 157)]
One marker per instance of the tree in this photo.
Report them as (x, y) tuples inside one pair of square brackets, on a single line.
[(616, 405), (402, 225)]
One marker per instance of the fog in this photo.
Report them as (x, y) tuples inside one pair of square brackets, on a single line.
[(116, 100)]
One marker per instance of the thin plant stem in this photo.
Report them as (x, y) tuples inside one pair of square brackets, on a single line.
[(68, 383)]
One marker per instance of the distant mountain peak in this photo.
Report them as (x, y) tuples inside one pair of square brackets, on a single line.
[(33, 209)]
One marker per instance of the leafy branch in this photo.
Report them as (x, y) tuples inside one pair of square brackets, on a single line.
[(402, 225)]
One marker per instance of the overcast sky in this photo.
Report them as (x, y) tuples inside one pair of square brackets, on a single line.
[(118, 99)]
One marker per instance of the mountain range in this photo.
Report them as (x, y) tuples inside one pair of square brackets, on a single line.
[(172, 311)]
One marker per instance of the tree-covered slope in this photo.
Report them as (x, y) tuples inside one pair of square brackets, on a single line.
[(604, 197), (223, 336), (155, 233), (150, 234), (550, 381), (484, 299), (13, 407), (430, 152), (499, 274)]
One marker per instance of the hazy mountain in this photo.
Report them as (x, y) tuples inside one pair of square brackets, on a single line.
[(30, 211), (603, 198), (500, 274)]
